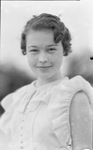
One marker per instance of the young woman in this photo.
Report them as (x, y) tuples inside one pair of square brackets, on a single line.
[(53, 112)]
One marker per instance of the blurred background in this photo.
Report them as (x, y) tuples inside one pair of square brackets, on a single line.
[(77, 16)]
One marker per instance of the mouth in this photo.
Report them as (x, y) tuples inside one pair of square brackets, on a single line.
[(43, 66)]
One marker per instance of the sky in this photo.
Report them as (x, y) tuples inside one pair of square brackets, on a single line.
[(77, 16)]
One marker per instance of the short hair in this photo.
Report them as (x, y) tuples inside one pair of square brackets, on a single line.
[(51, 22)]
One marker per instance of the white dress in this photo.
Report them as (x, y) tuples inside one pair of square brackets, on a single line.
[(38, 118)]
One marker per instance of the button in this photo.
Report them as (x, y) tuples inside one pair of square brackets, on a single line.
[(21, 134), (22, 120), (22, 142), (21, 147)]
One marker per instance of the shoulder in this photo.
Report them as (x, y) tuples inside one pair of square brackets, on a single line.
[(73, 86), (83, 91), (22, 89), (78, 82), (73, 94), (70, 87), (80, 89), (12, 98), (7, 101)]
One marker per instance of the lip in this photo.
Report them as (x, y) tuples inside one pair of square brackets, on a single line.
[(43, 66)]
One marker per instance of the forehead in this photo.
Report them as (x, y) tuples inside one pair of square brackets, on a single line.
[(39, 36)]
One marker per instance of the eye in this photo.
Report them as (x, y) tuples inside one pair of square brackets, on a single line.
[(34, 50), (52, 49)]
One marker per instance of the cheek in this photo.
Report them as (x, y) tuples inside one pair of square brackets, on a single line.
[(31, 60), (58, 60)]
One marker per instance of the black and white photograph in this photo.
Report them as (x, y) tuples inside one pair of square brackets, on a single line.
[(46, 75)]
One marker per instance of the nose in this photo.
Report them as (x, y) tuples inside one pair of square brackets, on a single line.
[(43, 57)]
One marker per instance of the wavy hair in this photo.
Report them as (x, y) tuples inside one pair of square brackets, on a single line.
[(48, 22)]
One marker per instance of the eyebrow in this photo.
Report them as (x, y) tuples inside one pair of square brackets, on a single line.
[(53, 45), (46, 46)]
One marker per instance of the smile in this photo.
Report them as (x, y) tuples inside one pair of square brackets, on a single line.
[(43, 66)]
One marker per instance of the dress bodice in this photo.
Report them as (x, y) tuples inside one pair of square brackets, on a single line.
[(38, 118)]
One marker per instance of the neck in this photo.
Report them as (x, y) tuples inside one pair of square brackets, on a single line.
[(41, 81)]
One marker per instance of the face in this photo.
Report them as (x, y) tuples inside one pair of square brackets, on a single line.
[(43, 54)]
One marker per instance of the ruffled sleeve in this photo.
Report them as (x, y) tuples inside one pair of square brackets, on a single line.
[(61, 100), (10, 103), (7, 104), (7, 101)]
